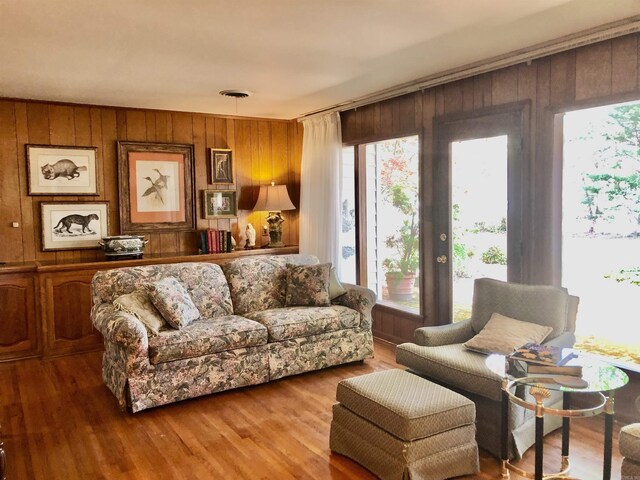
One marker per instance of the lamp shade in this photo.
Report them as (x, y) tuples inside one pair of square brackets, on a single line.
[(273, 198)]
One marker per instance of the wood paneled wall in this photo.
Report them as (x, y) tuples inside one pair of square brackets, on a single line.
[(263, 150), (601, 73)]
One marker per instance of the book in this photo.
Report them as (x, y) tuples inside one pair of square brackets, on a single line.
[(229, 245), (204, 244), (520, 368), (543, 354), (571, 370)]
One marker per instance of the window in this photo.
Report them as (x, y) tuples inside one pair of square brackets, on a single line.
[(601, 227), (389, 254)]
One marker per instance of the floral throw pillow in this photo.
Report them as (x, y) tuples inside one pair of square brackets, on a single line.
[(308, 285), (173, 302)]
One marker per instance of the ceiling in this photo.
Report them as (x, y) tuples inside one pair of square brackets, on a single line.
[(297, 56)]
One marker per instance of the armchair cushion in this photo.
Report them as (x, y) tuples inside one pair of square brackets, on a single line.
[(460, 367), (541, 304), (503, 335)]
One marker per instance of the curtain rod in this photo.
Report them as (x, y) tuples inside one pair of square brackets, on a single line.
[(585, 37)]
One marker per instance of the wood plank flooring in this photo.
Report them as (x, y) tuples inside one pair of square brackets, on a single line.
[(60, 422)]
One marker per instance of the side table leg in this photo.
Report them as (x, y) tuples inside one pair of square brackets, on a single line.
[(608, 437), (504, 431), (566, 427), (539, 447)]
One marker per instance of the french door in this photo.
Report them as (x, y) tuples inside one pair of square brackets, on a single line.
[(479, 196)]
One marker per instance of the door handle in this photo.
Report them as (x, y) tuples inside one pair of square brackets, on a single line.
[(441, 259)]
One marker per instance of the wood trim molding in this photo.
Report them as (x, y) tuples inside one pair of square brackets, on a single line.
[(568, 42)]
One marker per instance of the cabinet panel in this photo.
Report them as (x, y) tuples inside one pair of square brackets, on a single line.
[(67, 315), (18, 319)]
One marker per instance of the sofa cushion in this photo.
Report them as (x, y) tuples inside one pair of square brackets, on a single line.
[(172, 301), (504, 335), (294, 322), (308, 285), (452, 365), (206, 336), (336, 289), (205, 284), (260, 283), (140, 306)]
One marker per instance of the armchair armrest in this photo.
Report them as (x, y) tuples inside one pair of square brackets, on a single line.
[(122, 333), (458, 332), (359, 298)]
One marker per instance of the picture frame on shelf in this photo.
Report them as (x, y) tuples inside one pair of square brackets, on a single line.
[(219, 204), (156, 187), (57, 170), (73, 225), (221, 166)]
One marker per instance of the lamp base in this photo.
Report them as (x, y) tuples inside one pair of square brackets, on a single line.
[(275, 236)]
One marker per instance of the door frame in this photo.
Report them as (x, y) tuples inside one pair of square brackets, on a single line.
[(513, 120)]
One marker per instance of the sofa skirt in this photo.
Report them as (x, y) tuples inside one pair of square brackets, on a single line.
[(174, 381)]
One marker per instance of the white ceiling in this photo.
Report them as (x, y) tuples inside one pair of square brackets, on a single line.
[(296, 55)]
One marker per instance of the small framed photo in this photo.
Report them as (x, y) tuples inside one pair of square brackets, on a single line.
[(156, 187), (73, 225), (219, 203), (221, 166), (59, 170)]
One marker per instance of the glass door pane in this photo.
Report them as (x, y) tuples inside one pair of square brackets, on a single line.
[(478, 216), (393, 223), (347, 263), (601, 227)]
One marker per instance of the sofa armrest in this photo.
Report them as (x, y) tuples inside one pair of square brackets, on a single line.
[(125, 331), (564, 340), (458, 332), (361, 299)]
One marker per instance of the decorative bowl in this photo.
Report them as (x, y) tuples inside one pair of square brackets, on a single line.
[(121, 245)]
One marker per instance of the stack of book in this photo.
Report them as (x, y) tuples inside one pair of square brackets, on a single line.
[(534, 359), (215, 241)]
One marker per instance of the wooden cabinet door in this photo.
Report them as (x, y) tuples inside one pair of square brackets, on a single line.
[(18, 320), (67, 313)]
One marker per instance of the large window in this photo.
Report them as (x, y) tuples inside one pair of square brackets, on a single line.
[(389, 245), (601, 227)]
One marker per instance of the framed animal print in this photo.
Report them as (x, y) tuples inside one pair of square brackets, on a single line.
[(59, 170), (219, 204), (156, 187), (221, 166), (73, 225)]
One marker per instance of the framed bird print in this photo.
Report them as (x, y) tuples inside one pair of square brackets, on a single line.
[(156, 187)]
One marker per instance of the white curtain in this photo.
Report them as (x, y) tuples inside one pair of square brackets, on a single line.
[(320, 188)]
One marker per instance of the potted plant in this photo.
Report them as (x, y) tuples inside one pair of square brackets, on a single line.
[(400, 191)]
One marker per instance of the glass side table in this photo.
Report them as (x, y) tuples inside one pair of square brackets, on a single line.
[(602, 379)]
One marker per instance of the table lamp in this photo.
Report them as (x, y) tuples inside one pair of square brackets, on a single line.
[(273, 199)]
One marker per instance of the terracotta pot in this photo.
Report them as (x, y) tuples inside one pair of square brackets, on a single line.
[(400, 286)]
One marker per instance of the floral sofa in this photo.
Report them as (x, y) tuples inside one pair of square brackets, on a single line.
[(245, 335)]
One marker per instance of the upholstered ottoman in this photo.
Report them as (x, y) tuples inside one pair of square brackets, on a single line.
[(629, 444), (401, 426)]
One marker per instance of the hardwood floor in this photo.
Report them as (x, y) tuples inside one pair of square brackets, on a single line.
[(60, 422)]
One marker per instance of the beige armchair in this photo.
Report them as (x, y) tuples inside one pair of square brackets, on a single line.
[(440, 356)]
